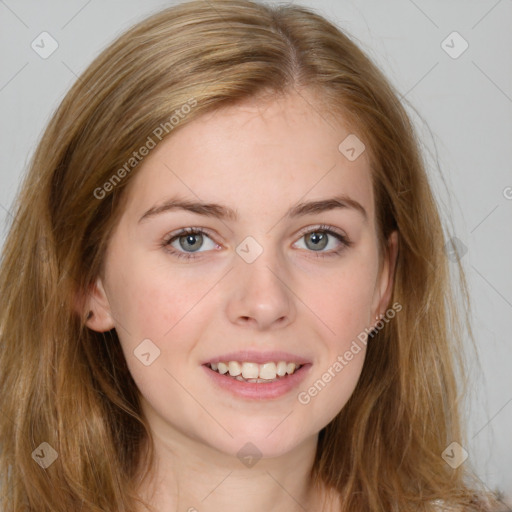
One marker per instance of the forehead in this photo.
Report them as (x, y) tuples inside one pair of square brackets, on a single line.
[(256, 154)]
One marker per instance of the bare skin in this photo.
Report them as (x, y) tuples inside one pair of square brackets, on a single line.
[(305, 298)]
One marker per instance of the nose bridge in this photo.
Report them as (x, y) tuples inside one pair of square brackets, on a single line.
[(260, 295)]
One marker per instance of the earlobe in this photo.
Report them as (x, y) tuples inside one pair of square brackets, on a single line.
[(96, 309)]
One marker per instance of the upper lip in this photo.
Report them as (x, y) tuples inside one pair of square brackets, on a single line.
[(258, 357)]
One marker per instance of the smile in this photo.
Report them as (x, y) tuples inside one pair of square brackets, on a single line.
[(254, 372), (262, 381)]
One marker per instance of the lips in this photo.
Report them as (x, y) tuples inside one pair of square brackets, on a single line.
[(258, 389), (257, 375)]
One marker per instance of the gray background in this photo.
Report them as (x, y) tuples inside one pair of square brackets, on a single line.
[(462, 107)]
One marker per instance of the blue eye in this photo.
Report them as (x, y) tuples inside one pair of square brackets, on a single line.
[(322, 237), (189, 241)]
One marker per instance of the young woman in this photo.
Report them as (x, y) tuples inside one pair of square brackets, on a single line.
[(226, 287)]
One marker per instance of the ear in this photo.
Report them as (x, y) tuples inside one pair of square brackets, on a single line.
[(384, 285), (96, 308)]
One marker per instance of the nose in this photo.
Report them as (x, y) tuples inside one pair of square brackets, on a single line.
[(259, 294)]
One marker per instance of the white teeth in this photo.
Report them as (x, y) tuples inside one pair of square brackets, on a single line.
[(234, 368), (268, 371), (253, 381), (281, 368), (222, 368), (250, 370), (254, 372)]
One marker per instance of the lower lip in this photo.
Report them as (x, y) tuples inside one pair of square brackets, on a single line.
[(262, 390)]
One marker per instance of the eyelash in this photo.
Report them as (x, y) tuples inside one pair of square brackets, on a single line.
[(329, 230)]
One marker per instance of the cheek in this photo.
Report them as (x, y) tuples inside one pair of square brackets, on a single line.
[(344, 305), (167, 310), (170, 310), (344, 308), (343, 302), (151, 302)]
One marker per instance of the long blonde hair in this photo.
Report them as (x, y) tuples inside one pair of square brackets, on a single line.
[(68, 386)]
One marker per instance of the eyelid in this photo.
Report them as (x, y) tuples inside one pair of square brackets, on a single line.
[(187, 230), (322, 227)]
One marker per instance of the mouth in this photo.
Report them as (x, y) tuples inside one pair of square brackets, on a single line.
[(255, 373)]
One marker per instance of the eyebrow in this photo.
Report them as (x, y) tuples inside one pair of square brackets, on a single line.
[(226, 213)]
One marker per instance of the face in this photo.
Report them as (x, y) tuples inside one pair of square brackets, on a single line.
[(278, 269)]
